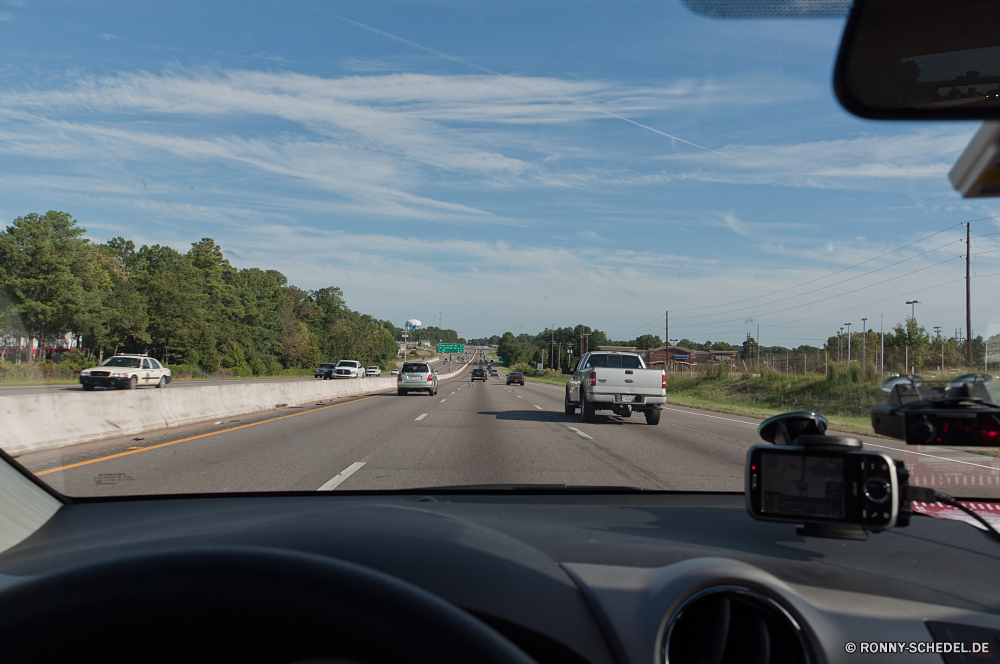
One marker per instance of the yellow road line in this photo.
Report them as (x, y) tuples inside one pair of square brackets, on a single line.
[(204, 435)]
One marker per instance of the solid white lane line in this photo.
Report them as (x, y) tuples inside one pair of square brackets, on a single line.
[(581, 433), (347, 472), (885, 447), (452, 392), (421, 417), (941, 458), (537, 406), (714, 417), (519, 396), (443, 400)]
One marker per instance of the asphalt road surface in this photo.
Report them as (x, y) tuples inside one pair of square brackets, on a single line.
[(470, 433)]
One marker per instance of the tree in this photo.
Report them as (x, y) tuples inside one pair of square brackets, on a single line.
[(48, 274), (647, 341), (509, 349)]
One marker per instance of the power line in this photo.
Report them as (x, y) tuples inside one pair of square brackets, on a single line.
[(791, 297), (868, 304), (831, 274), (806, 304)]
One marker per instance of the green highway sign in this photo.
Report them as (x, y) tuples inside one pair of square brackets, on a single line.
[(451, 348)]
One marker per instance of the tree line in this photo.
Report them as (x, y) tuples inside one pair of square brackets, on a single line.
[(192, 308), (909, 340)]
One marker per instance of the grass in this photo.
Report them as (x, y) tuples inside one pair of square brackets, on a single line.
[(554, 380), (846, 400)]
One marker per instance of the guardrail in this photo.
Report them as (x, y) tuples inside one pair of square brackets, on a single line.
[(47, 420)]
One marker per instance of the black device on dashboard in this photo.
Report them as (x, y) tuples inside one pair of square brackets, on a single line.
[(828, 485), (819, 485)]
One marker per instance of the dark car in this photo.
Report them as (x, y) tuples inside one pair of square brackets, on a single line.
[(479, 374), (516, 377)]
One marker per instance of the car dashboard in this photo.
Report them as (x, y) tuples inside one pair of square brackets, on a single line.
[(604, 578)]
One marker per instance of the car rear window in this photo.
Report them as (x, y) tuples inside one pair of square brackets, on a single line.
[(615, 361), (415, 368), (517, 374)]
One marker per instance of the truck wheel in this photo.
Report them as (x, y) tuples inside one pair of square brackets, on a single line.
[(88, 388), (401, 393), (133, 382), (570, 408), (587, 410), (652, 417)]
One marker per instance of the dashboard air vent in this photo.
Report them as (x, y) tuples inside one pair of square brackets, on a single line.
[(733, 625)]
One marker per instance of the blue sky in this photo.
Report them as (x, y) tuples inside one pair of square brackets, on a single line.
[(507, 165)]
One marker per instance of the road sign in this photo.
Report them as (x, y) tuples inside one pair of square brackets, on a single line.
[(539, 366), (451, 348)]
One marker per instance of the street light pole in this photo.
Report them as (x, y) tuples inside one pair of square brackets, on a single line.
[(864, 341), (840, 344), (848, 340), (913, 308)]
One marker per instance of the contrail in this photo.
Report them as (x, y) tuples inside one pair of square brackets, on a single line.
[(492, 72)]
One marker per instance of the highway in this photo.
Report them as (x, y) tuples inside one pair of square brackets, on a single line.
[(16, 390), (470, 433)]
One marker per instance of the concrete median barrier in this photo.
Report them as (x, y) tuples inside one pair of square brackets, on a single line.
[(50, 420)]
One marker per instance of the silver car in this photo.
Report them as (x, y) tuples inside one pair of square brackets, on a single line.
[(416, 377)]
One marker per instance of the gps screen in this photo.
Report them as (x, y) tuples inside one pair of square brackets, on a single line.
[(802, 485)]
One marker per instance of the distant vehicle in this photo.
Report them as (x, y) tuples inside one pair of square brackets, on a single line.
[(515, 378), (373, 371), (126, 372), (321, 369), (395, 372), (346, 369), (479, 374), (617, 381), (416, 377)]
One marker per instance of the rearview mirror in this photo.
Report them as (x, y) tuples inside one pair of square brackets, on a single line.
[(921, 60)]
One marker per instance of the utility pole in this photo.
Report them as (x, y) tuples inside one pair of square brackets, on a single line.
[(666, 329), (968, 297), (552, 363), (937, 328), (848, 341), (881, 335), (864, 342), (840, 344), (758, 347)]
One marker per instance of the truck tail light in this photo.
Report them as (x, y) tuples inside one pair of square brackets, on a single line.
[(663, 381), (399, 377), (593, 379), (430, 377)]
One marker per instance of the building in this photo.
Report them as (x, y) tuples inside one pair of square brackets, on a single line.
[(677, 357)]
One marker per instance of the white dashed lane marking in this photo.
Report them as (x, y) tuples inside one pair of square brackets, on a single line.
[(581, 433), (421, 417)]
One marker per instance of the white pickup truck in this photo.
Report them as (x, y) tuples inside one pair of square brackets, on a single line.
[(617, 381)]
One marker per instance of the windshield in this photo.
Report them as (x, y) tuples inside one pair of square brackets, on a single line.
[(121, 362), (249, 193)]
